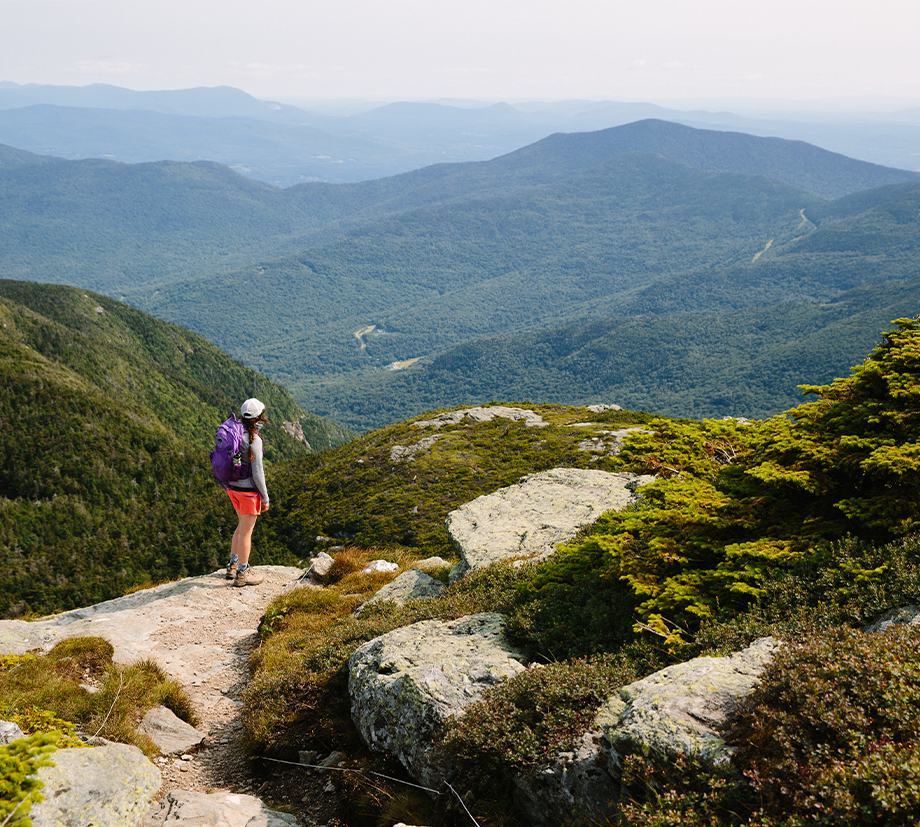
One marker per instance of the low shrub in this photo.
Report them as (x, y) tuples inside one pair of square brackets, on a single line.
[(829, 737), (19, 786), (571, 620), (831, 733), (528, 719)]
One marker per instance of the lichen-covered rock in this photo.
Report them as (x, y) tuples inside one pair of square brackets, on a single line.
[(107, 786), (903, 615), (530, 418), (410, 585), (171, 734), (220, 809), (576, 781), (681, 709), (407, 453), (406, 683), (530, 518)]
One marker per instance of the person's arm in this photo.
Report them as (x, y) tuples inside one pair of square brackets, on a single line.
[(258, 471)]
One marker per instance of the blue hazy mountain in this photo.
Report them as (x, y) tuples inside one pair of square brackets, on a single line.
[(283, 144)]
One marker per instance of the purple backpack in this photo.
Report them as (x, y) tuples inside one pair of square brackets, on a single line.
[(226, 458)]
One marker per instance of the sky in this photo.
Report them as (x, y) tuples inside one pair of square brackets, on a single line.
[(651, 50)]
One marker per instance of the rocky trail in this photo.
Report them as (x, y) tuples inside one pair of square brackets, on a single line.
[(200, 631)]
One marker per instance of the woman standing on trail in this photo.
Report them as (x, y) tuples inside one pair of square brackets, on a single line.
[(249, 496)]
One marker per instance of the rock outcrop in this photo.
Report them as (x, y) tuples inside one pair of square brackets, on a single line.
[(220, 809), (530, 418), (407, 453), (681, 709), (530, 518), (576, 781), (107, 786), (410, 585), (904, 615), (406, 683), (131, 623), (678, 710)]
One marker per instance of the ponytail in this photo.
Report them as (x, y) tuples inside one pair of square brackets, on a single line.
[(250, 424)]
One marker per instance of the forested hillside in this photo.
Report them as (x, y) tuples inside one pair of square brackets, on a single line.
[(116, 227), (433, 278), (111, 413), (579, 234), (574, 291), (714, 342)]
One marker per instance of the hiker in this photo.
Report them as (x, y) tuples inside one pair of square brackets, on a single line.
[(249, 495)]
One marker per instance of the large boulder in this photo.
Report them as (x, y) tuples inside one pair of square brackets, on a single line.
[(681, 710), (220, 809), (406, 683), (678, 710), (530, 518), (107, 786)]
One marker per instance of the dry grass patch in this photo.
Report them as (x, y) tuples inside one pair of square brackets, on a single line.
[(43, 692)]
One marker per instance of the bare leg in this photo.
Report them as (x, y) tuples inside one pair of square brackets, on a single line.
[(242, 538)]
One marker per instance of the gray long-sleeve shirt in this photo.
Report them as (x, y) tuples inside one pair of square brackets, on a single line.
[(257, 479)]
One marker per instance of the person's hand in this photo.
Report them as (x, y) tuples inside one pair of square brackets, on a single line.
[(265, 507)]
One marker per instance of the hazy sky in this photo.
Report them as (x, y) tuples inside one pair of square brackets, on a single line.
[(485, 49)]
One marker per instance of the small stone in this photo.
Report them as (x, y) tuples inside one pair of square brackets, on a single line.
[(329, 788), (379, 565), (334, 759), (10, 732)]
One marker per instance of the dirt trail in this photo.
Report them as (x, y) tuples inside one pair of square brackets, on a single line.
[(200, 630), (207, 650)]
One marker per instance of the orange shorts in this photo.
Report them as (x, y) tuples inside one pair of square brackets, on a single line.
[(246, 502)]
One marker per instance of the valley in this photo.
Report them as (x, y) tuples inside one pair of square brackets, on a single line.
[(480, 271)]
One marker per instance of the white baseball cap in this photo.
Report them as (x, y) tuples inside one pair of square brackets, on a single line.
[(251, 408)]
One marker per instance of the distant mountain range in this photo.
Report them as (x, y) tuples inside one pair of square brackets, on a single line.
[(284, 145), (554, 272)]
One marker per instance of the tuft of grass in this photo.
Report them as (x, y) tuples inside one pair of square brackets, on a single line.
[(42, 693)]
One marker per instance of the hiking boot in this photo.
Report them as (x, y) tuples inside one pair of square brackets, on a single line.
[(231, 570), (247, 578)]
